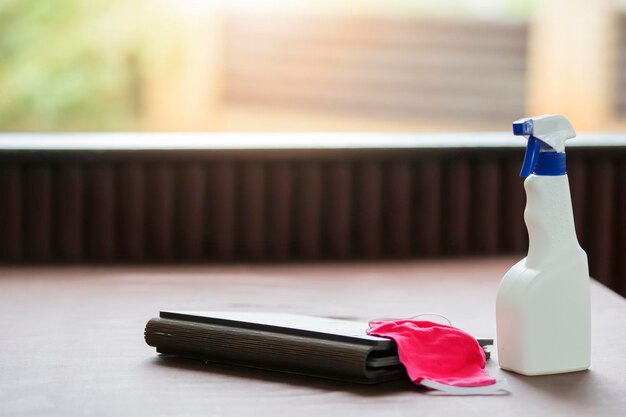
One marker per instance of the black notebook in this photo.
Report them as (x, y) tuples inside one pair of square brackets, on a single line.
[(314, 346)]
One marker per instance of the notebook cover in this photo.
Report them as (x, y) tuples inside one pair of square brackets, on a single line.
[(293, 324)]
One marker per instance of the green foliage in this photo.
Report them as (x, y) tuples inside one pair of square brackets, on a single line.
[(66, 65)]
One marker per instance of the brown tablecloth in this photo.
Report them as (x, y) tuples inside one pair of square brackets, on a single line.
[(71, 341)]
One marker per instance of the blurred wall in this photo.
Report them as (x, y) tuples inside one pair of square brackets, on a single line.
[(277, 65)]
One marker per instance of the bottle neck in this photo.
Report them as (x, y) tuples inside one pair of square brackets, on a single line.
[(551, 163), (549, 219)]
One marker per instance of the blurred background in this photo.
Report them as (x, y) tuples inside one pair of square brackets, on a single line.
[(261, 65)]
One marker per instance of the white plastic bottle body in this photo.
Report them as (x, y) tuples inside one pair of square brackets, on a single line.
[(543, 313)]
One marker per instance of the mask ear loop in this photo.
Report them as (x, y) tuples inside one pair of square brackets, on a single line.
[(418, 315), (432, 314)]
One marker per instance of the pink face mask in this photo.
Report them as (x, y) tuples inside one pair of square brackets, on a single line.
[(439, 356)]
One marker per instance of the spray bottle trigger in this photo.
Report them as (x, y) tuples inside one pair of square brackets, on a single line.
[(532, 156)]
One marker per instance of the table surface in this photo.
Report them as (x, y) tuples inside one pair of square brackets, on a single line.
[(72, 341)]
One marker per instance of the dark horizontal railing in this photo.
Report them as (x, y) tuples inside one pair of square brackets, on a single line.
[(112, 198)]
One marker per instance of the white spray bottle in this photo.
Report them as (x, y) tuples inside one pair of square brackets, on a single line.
[(543, 313)]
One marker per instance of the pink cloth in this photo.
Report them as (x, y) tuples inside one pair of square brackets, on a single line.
[(436, 352)]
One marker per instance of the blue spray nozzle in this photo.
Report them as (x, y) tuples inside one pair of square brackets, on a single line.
[(545, 152), (523, 128)]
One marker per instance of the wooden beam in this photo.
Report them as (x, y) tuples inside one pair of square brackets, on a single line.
[(183, 91), (571, 68)]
